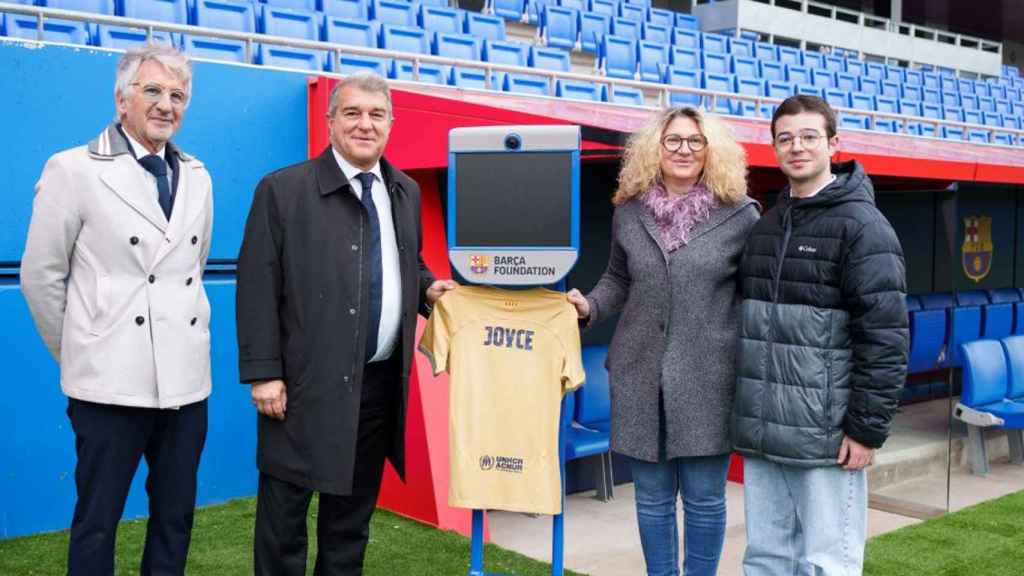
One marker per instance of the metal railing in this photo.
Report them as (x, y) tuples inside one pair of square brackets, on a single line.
[(708, 98)]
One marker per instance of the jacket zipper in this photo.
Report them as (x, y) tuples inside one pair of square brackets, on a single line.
[(776, 280)]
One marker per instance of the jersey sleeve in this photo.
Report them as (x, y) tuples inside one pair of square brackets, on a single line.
[(436, 337), (572, 363)]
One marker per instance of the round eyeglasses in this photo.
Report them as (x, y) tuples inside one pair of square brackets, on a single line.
[(810, 140), (674, 143)]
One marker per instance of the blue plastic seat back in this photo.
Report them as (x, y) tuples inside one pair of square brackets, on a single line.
[(772, 71), (717, 43), (527, 84), (779, 89), (166, 11), (404, 39), (838, 98), (998, 320), (656, 33), (719, 83), (925, 79), (971, 298), (427, 73), (485, 27), (633, 12), (626, 28), (891, 89), (936, 301), (751, 86), (626, 95), (394, 12), (289, 57), (986, 104), (984, 374), (226, 15), (948, 84), (965, 327), (791, 56), (855, 67), (125, 38), (214, 48), (469, 78), (1013, 347), (686, 38), (65, 31), (291, 23), (352, 32), (607, 7), (715, 62), (593, 28), (577, 90), (744, 67), (913, 302), (310, 5), (814, 60), (854, 121), (808, 90), (895, 74), (952, 132), (653, 58), (512, 53), (441, 19), (798, 74), (929, 335), (509, 9), (741, 48), (354, 9), (992, 119), (870, 85), (766, 52), (685, 57), (969, 102), (94, 6), (954, 113), (910, 108), (965, 85), (823, 78), (685, 77), (351, 63), (862, 101), (931, 95), (620, 57), (593, 402), (687, 21), (875, 70), (560, 26), (548, 58), (885, 104), (661, 17), (462, 46)]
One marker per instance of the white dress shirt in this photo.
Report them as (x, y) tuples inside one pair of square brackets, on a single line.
[(391, 285)]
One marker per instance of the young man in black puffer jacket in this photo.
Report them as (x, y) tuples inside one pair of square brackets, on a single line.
[(823, 354)]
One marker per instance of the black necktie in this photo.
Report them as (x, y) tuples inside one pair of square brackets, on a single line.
[(156, 166), (374, 266)]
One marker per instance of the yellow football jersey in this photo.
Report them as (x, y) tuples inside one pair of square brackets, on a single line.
[(510, 356)]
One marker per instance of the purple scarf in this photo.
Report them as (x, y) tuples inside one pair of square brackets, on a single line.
[(676, 216)]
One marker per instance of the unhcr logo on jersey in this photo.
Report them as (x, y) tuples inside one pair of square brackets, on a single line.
[(502, 464)]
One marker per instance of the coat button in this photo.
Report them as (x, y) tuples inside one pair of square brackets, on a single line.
[(134, 240), (188, 281), (140, 320), (355, 247), (195, 239), (152, 278), (351, 311), (192, 322)]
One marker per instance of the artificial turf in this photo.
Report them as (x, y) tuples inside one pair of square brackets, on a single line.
[(222, 546)]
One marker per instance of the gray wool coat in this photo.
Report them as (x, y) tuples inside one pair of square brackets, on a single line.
[(678, 331)]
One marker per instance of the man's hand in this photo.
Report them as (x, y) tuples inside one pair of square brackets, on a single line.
[(270, 398), (855, 456), (438, 288), (575, 297)]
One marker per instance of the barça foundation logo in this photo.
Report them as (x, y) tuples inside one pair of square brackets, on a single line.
[(976, 251), (478, 264)]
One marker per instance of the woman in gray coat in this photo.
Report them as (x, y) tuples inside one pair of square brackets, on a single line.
[(681, 219)]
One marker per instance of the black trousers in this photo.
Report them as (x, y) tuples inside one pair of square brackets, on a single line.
[(343, 522), (109, 442)]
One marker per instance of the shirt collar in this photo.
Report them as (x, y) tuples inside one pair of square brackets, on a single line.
[(825, 185), (351, 171), (138, 149)]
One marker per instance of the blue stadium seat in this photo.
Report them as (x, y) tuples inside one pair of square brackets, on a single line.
[(978, 136), (749, 109), (929, 335), (998, 316), (656, 33), (791, 56), (352, 32), (560, 26), (992, 119), (65, 31), (862, 101), (468, 78), (620, 57), (751, 86), (214, 48), (969, 102), (94, 6), (854, 121), (577, 90), (847, 82), (855, 67), (892, 89), (662, 17), (626, 95), (717, 43), (310, 5), (780, 89), (485, 27), (965, 327), (869, 85), (633, 12), (686, 38), (837, 98), (965, 86), (951, 99), (653, 58), (982, 89), (986, 104), (953, 113), (397, 12), (798, 74), (549, 58), (354, 9), (895, 74), (427, 73), (948, 84), (1004, 139), (715, 62), (890, 105), (814, 60), (626, 28), (772, 71), (875, 70), (808, 89), (404, 39), (593, 409), (609, 8), (288, 57), (685, 57), (1013, 346), (226, 15), (745, 67), (593, 28), (719, 83), (164, 11), (687, 21), (461, 46), (823, 78), (972, 116), (997, 91), (509, 9), (923, 79), (835, 63), (741, 48), (441, 19), (527, 84), (511, 53), (988, 381), (931, 95), (291, 23), (125, 38), (683, 78), (437, 3), (766, 52), (910, 108), (351, 63)]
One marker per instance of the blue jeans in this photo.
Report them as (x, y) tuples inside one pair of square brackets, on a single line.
[(701, 482), (804, 521)]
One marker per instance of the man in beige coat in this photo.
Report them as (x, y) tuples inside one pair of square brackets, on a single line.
[(112, 272)]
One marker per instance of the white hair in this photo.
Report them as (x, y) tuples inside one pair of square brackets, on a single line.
[(172, 59), (364, 80)]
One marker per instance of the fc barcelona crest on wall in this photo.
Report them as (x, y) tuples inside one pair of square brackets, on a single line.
[(976, 252)]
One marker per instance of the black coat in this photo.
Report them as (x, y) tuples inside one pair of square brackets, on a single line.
[(823, 328), (300, 315)]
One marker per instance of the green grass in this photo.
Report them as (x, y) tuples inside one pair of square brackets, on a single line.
[(222, 546), (984, 540)]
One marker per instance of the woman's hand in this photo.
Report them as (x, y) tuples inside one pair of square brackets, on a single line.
[(576, 299)]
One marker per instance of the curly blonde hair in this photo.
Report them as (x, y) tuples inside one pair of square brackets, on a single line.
[(725, 161)]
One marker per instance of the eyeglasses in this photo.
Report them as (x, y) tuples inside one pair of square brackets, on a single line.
[(809, 140), (155, 93), (674, 143)]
